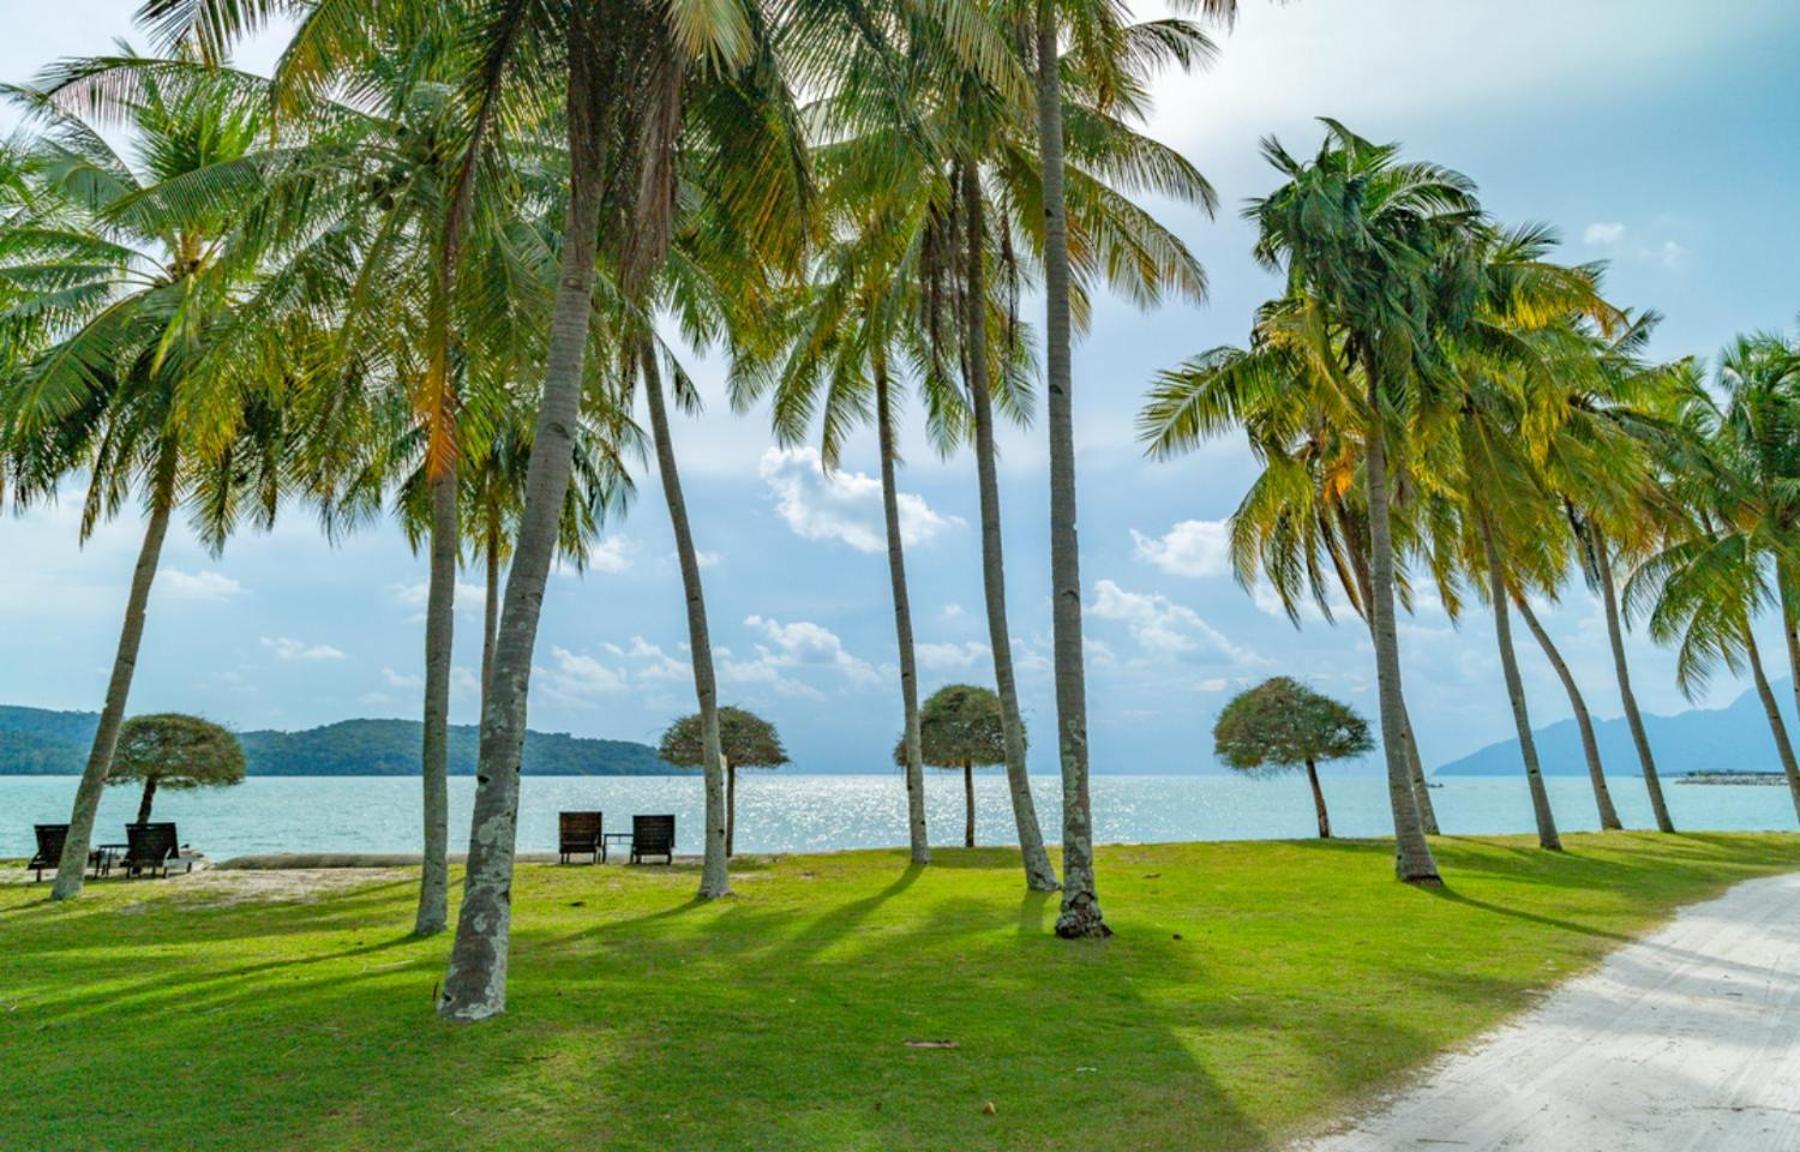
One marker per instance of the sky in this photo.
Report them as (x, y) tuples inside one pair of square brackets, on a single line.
[(1662, 137)]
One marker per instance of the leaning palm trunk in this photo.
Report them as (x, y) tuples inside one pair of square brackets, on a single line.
[(1515, 691), (1415, 768), (1040, 876), (1590, 747), (1784, 577), (1312, 778), (1413, 862), (1080, 914), (1783, 747), (440, 627), (903, 631), (475, 981), (1415, 765), (1615, 634), (715, 881), (72, 866)]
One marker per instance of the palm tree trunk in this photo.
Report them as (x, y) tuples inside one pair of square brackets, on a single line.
[(1413, 862), (475, 980), (146, 800), (490, 616), (1080, 915), (1365, 593), (1783, 747), (1312, 777), (1040, 876), (730, 809), (968, 804), (1415, 768), (433, 914), (1590, 747), (1609, 599), (714, 879), (903, 631), (1790, 619), (1515, 690), (73, 865)]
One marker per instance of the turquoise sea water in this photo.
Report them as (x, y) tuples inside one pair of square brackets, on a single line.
[(795, 813)]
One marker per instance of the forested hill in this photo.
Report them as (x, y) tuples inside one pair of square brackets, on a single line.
[(38, 742), (1735, 738)]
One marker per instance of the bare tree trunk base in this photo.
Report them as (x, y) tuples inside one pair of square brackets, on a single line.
[(1081, 920)]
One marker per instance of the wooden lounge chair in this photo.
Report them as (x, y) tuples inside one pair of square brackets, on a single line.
[(50, 841), (152, 848), (580, 833), (652, 836)]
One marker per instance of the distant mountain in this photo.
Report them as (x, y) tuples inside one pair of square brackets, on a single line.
[(38, 742), (1734, 738)]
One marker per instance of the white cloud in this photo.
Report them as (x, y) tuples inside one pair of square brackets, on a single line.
[(708, 559), (1190, 548), (653, 662), (205, 585), (843, 506), (575, 678), (1164, 628), (1671, 254), (951, 611), (287, 648), (1603, 234), (804, 644), (950, 657), (612, 554), (1212, 684), (470, 598), (402, 679)]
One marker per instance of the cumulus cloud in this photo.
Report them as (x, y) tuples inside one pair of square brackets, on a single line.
[(1190, 548), (402, 679), (843, 506), (1164, 628), (205, 585), (287, 648), (470, 599), (1603, 233), (804, 644), (612, 554), (576, 678), (951, 657)]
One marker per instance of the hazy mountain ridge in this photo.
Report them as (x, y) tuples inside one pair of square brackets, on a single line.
[(1735, 738), (41, 742)]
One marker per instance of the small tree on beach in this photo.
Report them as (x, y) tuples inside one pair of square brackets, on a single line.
[(1280, 725), (961, 726), (746, 740), (173, 750)]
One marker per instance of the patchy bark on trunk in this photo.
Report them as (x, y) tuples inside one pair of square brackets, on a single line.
[(730, 808), (903, 629), (475, 981), (146, 799), (968, 804), (1590, 746), (1080, 915), (433, 914), (490, 613), (72, 868)]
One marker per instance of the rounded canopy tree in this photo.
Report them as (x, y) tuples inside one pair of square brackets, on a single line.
[(746, 740), (173, 750), (959, 727), (1280, 725)]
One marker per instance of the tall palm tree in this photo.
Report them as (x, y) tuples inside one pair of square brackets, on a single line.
[(1361, 239), (147, 380)]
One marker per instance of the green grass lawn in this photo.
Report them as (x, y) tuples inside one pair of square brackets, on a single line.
[(1252, 991)]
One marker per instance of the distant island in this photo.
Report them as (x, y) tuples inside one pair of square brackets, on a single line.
[(1732, 778), (41, 742), (1732, 740)]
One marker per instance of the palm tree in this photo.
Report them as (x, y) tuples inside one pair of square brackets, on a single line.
[(746, 740), (1361, 239), (961, 726), (147, 381)]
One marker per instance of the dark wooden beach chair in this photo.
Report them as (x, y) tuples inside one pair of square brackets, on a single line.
[(152, 849), (652, 836), (50, 841), (581, 833)]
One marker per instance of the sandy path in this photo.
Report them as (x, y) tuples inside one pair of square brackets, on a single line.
[(1686, 1040)]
